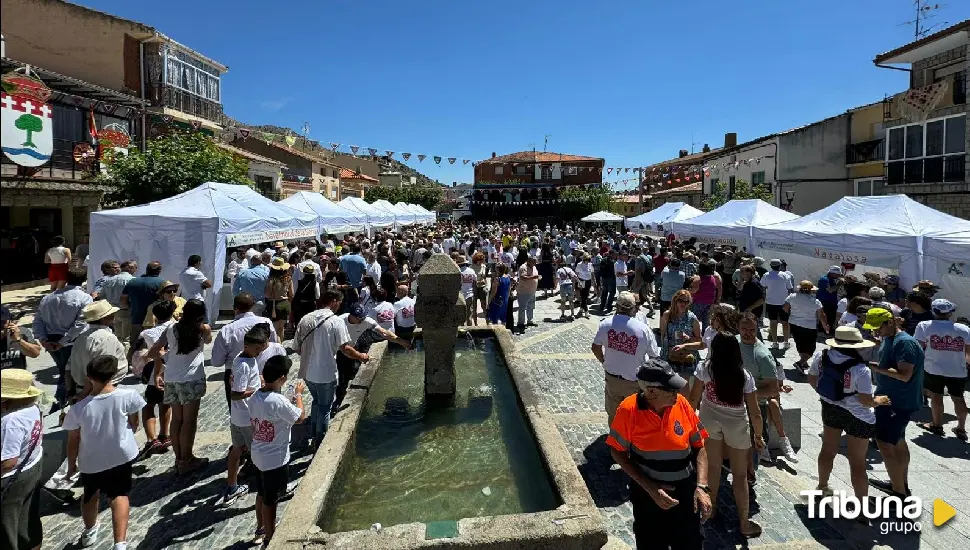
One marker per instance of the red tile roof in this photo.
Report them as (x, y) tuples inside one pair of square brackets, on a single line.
[(248, 155), (626, 198), (962, 26), (539, 156), (346, 174)]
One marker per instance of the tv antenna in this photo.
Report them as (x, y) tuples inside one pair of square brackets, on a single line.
[(925, 13), (545, 142), (306, 132)]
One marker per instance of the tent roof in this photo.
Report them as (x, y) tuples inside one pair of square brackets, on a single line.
[(333, 217), (374, 214), (873, 223), (665, 213), (739, 213), (400, 215), (603, 216), (237, 207)]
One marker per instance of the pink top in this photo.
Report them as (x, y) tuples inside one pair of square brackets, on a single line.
[(707, 291)]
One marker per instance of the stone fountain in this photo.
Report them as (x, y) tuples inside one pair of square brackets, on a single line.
[(439, 311)]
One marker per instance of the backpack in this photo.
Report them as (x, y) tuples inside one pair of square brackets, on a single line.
[(831, 378)]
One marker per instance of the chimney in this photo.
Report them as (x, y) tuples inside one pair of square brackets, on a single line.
[(493, 154), (706, 149), (683, 153), (730, 139), (454, 184)]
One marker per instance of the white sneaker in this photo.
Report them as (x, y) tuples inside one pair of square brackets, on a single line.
[(788, 451), (90, 536), (121, 545), (786, 344), (765, 457)]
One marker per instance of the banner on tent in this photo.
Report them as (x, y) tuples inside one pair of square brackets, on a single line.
[(948, 267), (729, 241), (822, 253), (255, 237)]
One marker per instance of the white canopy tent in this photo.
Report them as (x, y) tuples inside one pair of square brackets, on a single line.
[(883, 234), (731, 223), (375, 216), (946, 259), (603, 217), (419, 217), (204, 221), (657, 219), (401, 217), (333, 218), (424, 214)]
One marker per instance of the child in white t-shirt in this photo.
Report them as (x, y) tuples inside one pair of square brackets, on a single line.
[(272, 416), (106, 421)]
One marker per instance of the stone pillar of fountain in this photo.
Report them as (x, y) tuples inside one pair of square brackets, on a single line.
[(439, 311)]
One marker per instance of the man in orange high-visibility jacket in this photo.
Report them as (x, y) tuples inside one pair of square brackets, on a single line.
[(658, 440)]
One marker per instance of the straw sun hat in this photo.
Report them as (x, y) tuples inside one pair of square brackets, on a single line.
[(17, 384), (848, 338), (279, 263), (96, 311)]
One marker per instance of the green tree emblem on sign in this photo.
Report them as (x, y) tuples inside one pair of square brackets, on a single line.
[(29, 124)]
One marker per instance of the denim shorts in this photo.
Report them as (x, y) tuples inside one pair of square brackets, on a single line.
[(891, 424), (566, 290)]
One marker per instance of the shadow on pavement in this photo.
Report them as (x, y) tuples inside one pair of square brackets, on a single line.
[(607, 487)]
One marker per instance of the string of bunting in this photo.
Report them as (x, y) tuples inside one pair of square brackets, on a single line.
[(528, 202)]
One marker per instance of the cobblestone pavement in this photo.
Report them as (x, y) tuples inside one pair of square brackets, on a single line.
[(173, 512)]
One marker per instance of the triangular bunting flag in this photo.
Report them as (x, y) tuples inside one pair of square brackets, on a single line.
[(354, 149), (609, 170), (267, 137), (390, 154), (196, 124), (437, 160), (167, 119), (244, 132), (464, 161), (451, 160), (422, 157), (372, 151), (334, 146), (78, 101), (406, 156), (110, 109), (290, 140)]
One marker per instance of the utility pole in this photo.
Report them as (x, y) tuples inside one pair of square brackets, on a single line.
[(640, 187)]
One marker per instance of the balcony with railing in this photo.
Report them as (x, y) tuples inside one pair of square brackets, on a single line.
[(61, 166), (191, 104), (947, 169), (865, 152)]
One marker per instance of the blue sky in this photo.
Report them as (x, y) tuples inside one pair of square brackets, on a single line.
[(632, 81)]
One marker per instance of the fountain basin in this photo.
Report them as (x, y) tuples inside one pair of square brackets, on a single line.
[(492, 472)]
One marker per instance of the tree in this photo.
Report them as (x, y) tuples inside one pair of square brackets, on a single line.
[(30, 124), (426, 195), (742, 190), (169, 165), (579, 202)]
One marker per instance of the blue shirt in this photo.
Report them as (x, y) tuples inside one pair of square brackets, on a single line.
[(670, 283), (142, 293), (253, 281), (355, 267), (824, 295), (902, 348), (60, 311)]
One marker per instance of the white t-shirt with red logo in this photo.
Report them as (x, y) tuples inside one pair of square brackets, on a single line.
[(18, 431), (626, 343), (468, 280), (702, 373), (383, 313), (944, 343), (272, 416), (404, 312)]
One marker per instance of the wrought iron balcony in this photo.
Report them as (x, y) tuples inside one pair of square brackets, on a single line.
[(191, 104), (865, 151)]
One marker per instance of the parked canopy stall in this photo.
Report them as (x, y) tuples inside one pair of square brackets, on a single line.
[(203, 221), (424, 214), (946, 261), (419, 218), (332, 217), (658, 220), (731, 223), (603, 217), (401, 217), (375, 216), (877, 234)]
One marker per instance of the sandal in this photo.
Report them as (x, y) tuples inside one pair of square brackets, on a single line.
[(752, 479), (960, 433), (258, 537), (938, 430), (751, 530)]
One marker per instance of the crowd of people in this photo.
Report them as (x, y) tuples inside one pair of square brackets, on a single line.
[(701, 389)]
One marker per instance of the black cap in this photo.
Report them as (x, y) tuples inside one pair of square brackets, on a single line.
[(658, 373)]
